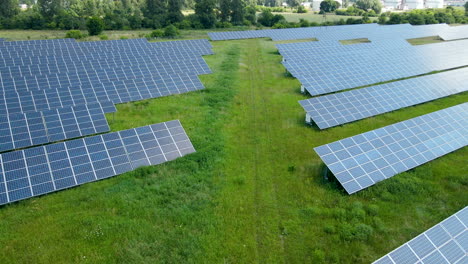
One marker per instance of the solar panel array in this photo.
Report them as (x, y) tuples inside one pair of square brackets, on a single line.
[(453, 33), (39, 170), (361, 161), (340, 108), (35, 128), (444, 243), (326, 72), (371, 31), (56, 90)]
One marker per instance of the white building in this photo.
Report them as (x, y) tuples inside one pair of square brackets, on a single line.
[(306, 5), (434, 4), (413, 4), (388, 5)]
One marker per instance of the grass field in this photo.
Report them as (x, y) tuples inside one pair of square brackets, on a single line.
[(253, 192)]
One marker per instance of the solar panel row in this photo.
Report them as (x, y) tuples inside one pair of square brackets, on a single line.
[(327, 72), (40, 170), (453, 33), (104, 71), (340, 108), (36, 128), (371, 31), (310, 48), (361, 161), (444, 243), (116, 92)]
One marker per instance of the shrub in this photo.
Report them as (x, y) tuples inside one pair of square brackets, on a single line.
[(95, 26), (223, 25), (171, 31), (123, 37), (74, 34), (158, 33), (185, 24), (301, 9), (303, 23), (103, 37)]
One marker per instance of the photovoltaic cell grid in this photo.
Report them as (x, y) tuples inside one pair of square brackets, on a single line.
[(36, 128), (40, 170), (353, 70), (309, 51), (41, 100), (116, 92), (29, 69), (444, 243), (365, 159), (340, 108), (453, 33), (371, 31), (51, 74)]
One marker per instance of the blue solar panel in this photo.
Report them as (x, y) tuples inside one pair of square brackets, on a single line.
[(340, 108), (35, 128), (446, 242), (39, 170), (361, 161)]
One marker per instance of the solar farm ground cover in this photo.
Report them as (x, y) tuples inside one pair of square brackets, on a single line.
[(253, 192)]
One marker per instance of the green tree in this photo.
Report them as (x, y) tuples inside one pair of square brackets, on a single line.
[(416, 19), (155, 12), (8, 8), (251, 14), (95, 26), (293, 3), (204, 10), (382, 19), (237, 12), (49, 8), (224, 10), (466, 8), (369, 4), (329, 5), (174, 14)]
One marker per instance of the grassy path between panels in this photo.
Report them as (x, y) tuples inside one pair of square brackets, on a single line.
[(252, 193)]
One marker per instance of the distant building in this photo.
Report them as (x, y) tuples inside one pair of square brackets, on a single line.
[(389, 5), (307, 5)]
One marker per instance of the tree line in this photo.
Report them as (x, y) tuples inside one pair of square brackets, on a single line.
[(125, 14)]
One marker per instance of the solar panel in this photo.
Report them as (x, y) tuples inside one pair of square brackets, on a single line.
[(446, 242), (340, 108), (39, 170), (361, 161), (36, 128), (453, 33)]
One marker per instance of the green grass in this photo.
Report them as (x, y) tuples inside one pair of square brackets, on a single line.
[(252, 193), (425, 40), (354, 41), (13, 35), (311, 17)]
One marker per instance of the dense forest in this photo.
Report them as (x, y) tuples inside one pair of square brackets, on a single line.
[(199, 14), (126, 14)]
